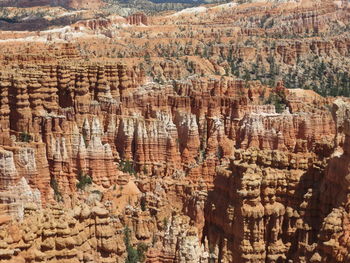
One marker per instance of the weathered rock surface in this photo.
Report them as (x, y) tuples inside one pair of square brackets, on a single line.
[(75, 4), (118, 134)]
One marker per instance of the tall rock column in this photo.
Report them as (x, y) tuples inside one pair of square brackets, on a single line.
[(250, 245), (124, 82), (8, 172), (21, 115), (103, 92), (112, 78), (35, 96), (4, 110), (65, 86), (49, 89), (82, 96), (273, 220)]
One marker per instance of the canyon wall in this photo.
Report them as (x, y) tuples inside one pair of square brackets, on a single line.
[(182, 137), (71, 4), (244, 181)]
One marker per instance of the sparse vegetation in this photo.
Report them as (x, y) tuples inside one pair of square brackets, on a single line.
[(134, 255), (84, 180), (145, 170), (202, 155), (127, 167), (219, 153), (143, 203), (165, 222), (25, 137), (277, 101), (154, 239), (57, 194), (85, 140)]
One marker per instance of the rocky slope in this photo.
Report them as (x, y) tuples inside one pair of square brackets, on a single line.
[(74, 4), (148, 139)]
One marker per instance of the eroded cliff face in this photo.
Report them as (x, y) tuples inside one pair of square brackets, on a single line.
[(162, 150), (243, 182), (273, 206), (75, 4)]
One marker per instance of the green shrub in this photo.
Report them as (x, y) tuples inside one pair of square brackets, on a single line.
[(84, 180), (154, 239), (127, 167), (134, 255), (143, 203), (85, 140), (202, 155), (165, 222), (145, 170), (277, 101), (25, 137), (219, 152), (57, 194), (141, 250)]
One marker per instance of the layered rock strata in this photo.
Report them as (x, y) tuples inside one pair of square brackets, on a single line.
[(186, 146)]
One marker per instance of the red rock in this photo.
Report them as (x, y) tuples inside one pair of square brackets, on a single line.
[(137, 19)]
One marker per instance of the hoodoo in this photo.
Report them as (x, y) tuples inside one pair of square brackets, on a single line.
[(174, 132)]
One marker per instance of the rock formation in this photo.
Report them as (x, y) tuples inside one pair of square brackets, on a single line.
[(137, 19), (182, 137), (75, 4)]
